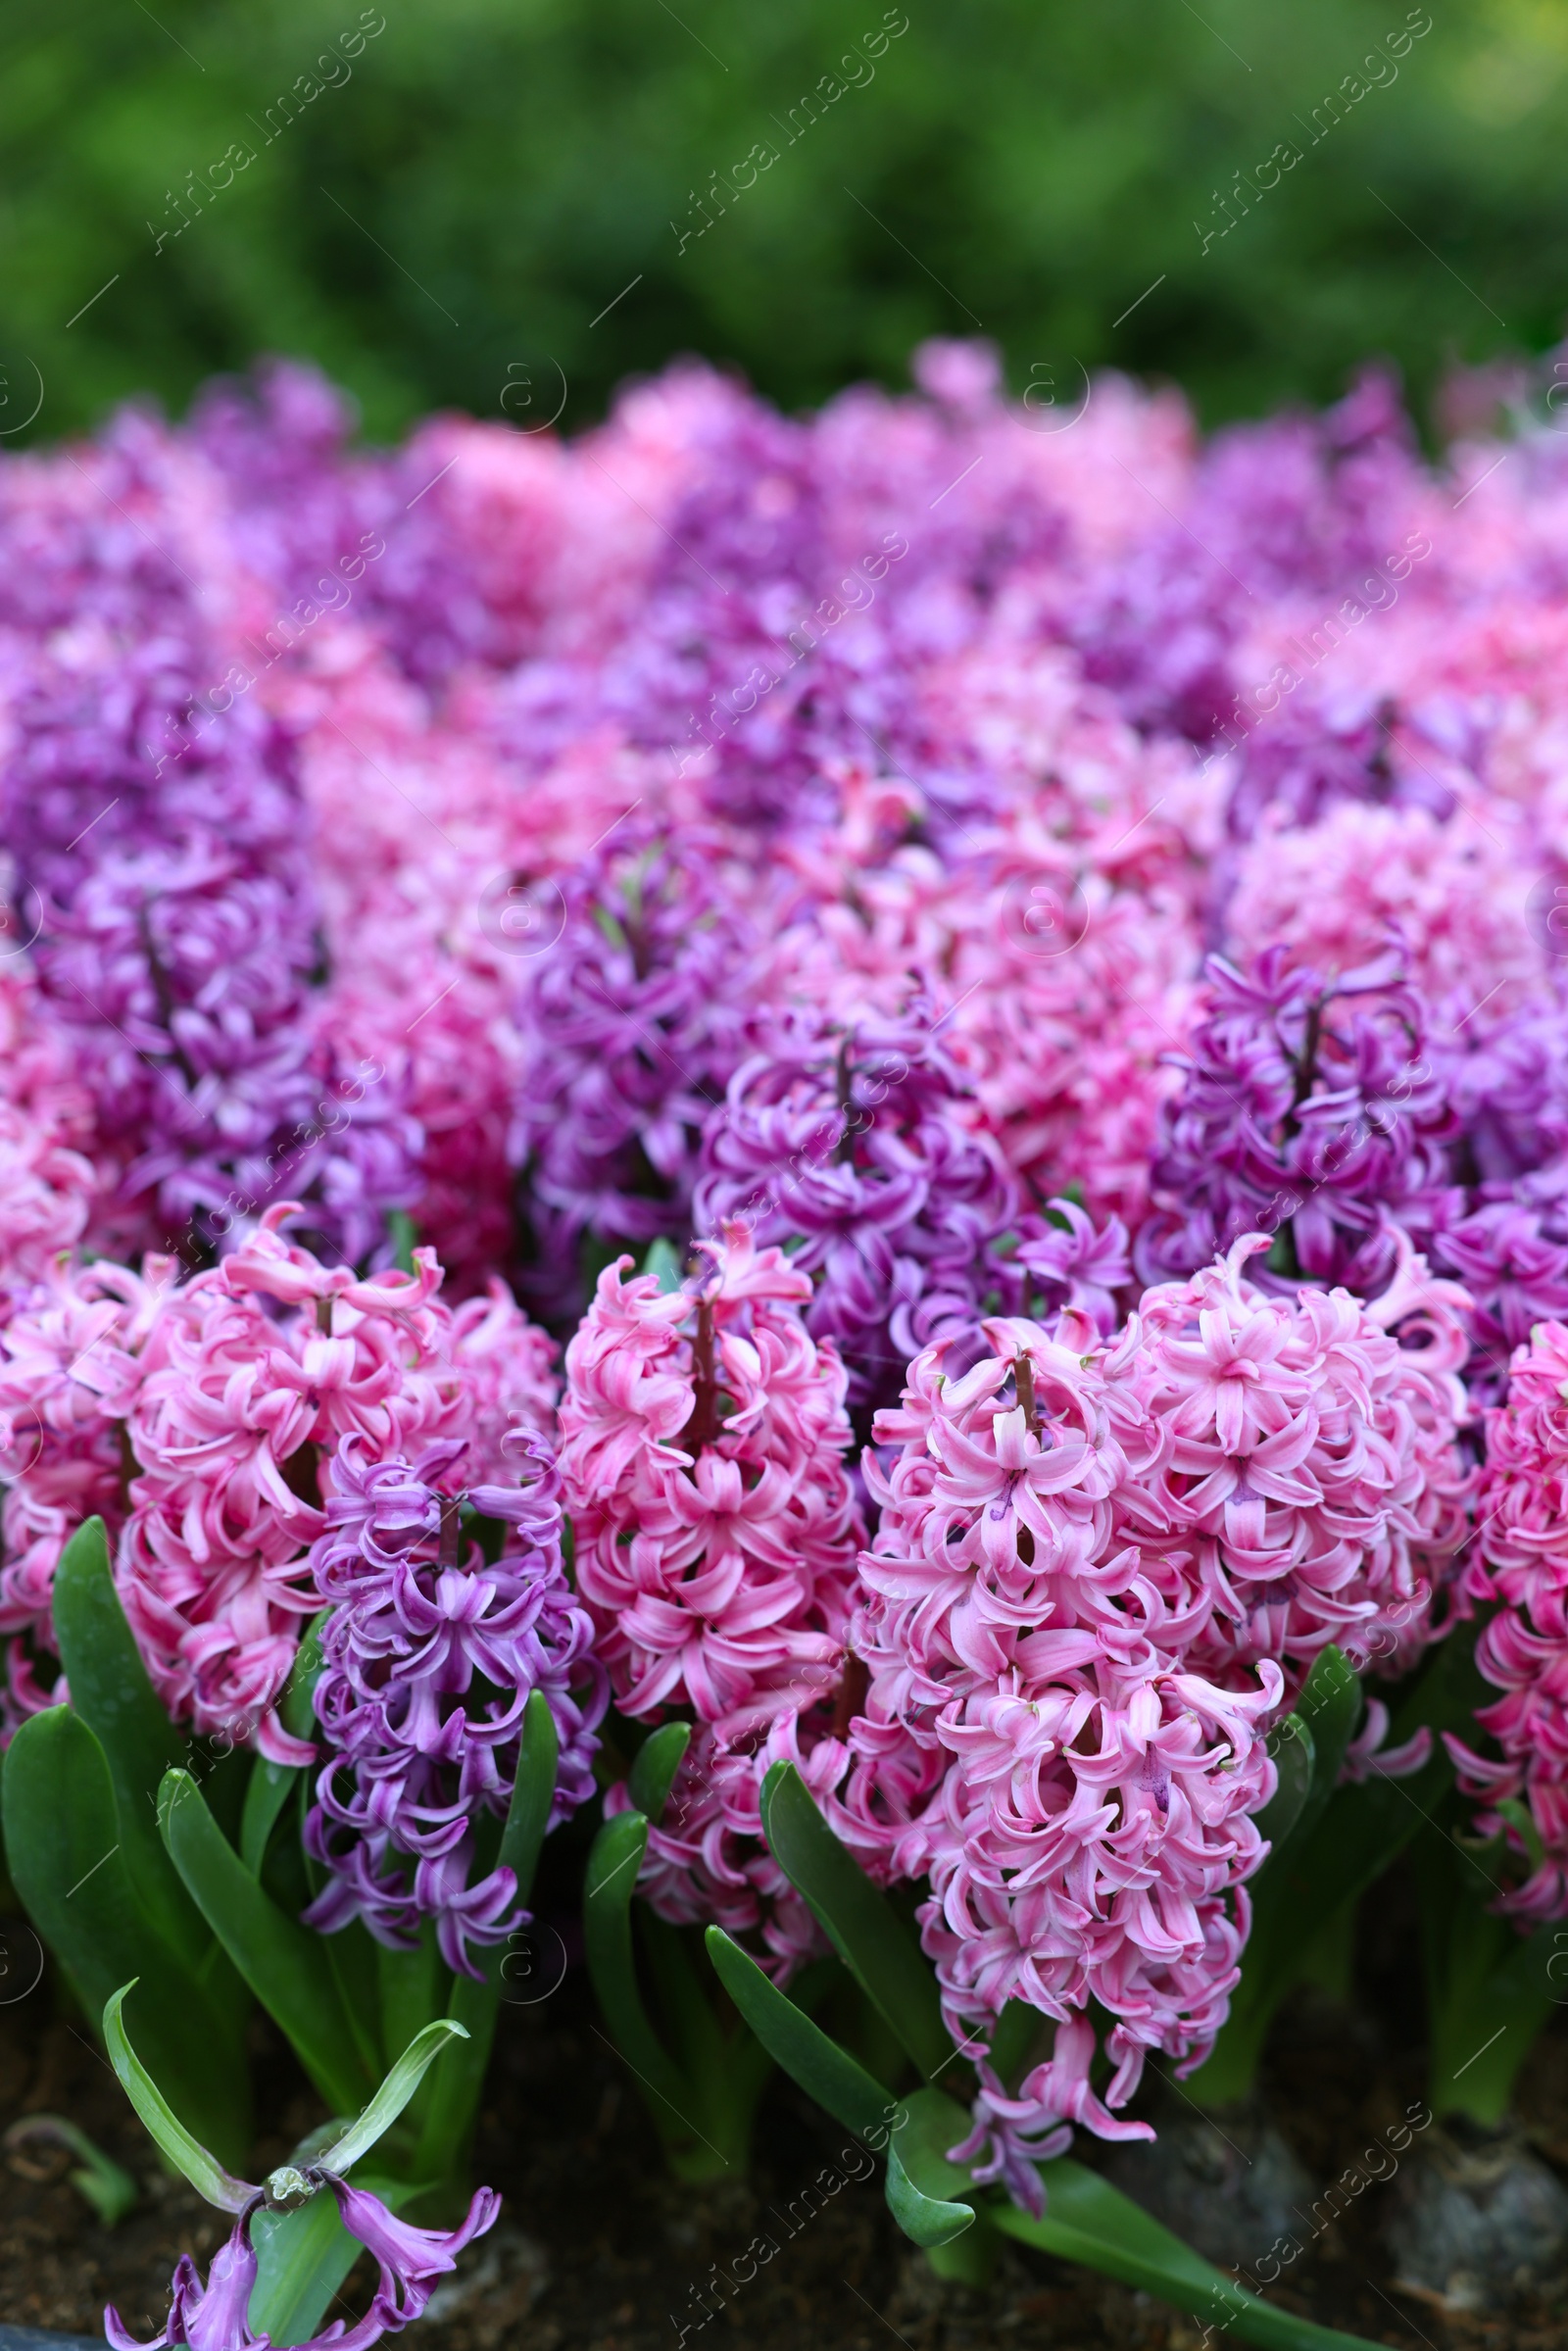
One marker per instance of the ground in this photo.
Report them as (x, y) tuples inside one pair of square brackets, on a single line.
[(599, 2250)]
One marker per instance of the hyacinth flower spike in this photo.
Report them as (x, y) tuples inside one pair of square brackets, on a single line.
[(251, 2288)]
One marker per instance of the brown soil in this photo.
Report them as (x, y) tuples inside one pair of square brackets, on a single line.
[(599, 2250)]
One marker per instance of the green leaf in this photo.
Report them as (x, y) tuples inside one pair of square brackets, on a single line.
[(393, 2095), (1087, 2220), (453, 2099), (272, 1783), (403, 1235), (862, 1925), (533, 1795), (100, 2181), (654, 1769), (303, 2258), (62, 1834), (664, 1263), (613, 1863), (924, 2188), (283, 1963), (1330, 1706), (1291, 1746), (110, 1693), (809, 2056), (184, 2151)]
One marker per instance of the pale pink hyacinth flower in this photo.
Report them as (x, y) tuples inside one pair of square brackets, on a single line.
[(249, 1374), (1033, 1744)]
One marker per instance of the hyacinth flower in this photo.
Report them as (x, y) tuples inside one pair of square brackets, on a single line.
[(946, 2188), (1312, 1109), (704, 1432), (430, 1652), (275, 2274), (630, 1025), (1495, 1893), (850, 1149), (195, 1416), (159, 834)]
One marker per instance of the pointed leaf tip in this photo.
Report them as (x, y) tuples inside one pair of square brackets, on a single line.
[(186, 2153)]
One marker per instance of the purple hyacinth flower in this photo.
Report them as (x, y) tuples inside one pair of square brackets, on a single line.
[(850, 1148), (429, 1662), (1314, 1109), (1067, 1260), (632, 1023), (411, 2258), (216, 2316)]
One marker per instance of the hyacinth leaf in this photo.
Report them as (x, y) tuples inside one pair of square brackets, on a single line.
[(1490, 1989), (184, 2151), (302, 2258), (1292, 1748), (924, 2187), (271, 1783), (110, 1693), (862, 1925), (281, 1961), (826, 2071), (1086, 2219), (393, 2095), (453, 2096), (62, 1835), (533, 1794), (663, 1261), (99, 2180), (653, 1768), (1012, 2040), (1328, 1707), (615, 1861)]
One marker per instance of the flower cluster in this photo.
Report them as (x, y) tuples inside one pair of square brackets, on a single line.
[(851, 1148), (703, 1439), (1071, 926), (430, 1657), (1521, 1562), (1100, 1565)]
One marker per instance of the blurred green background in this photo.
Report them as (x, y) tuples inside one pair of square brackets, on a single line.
[(488, 176)]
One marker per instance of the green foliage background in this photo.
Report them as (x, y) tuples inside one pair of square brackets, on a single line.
[(496, 172)]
